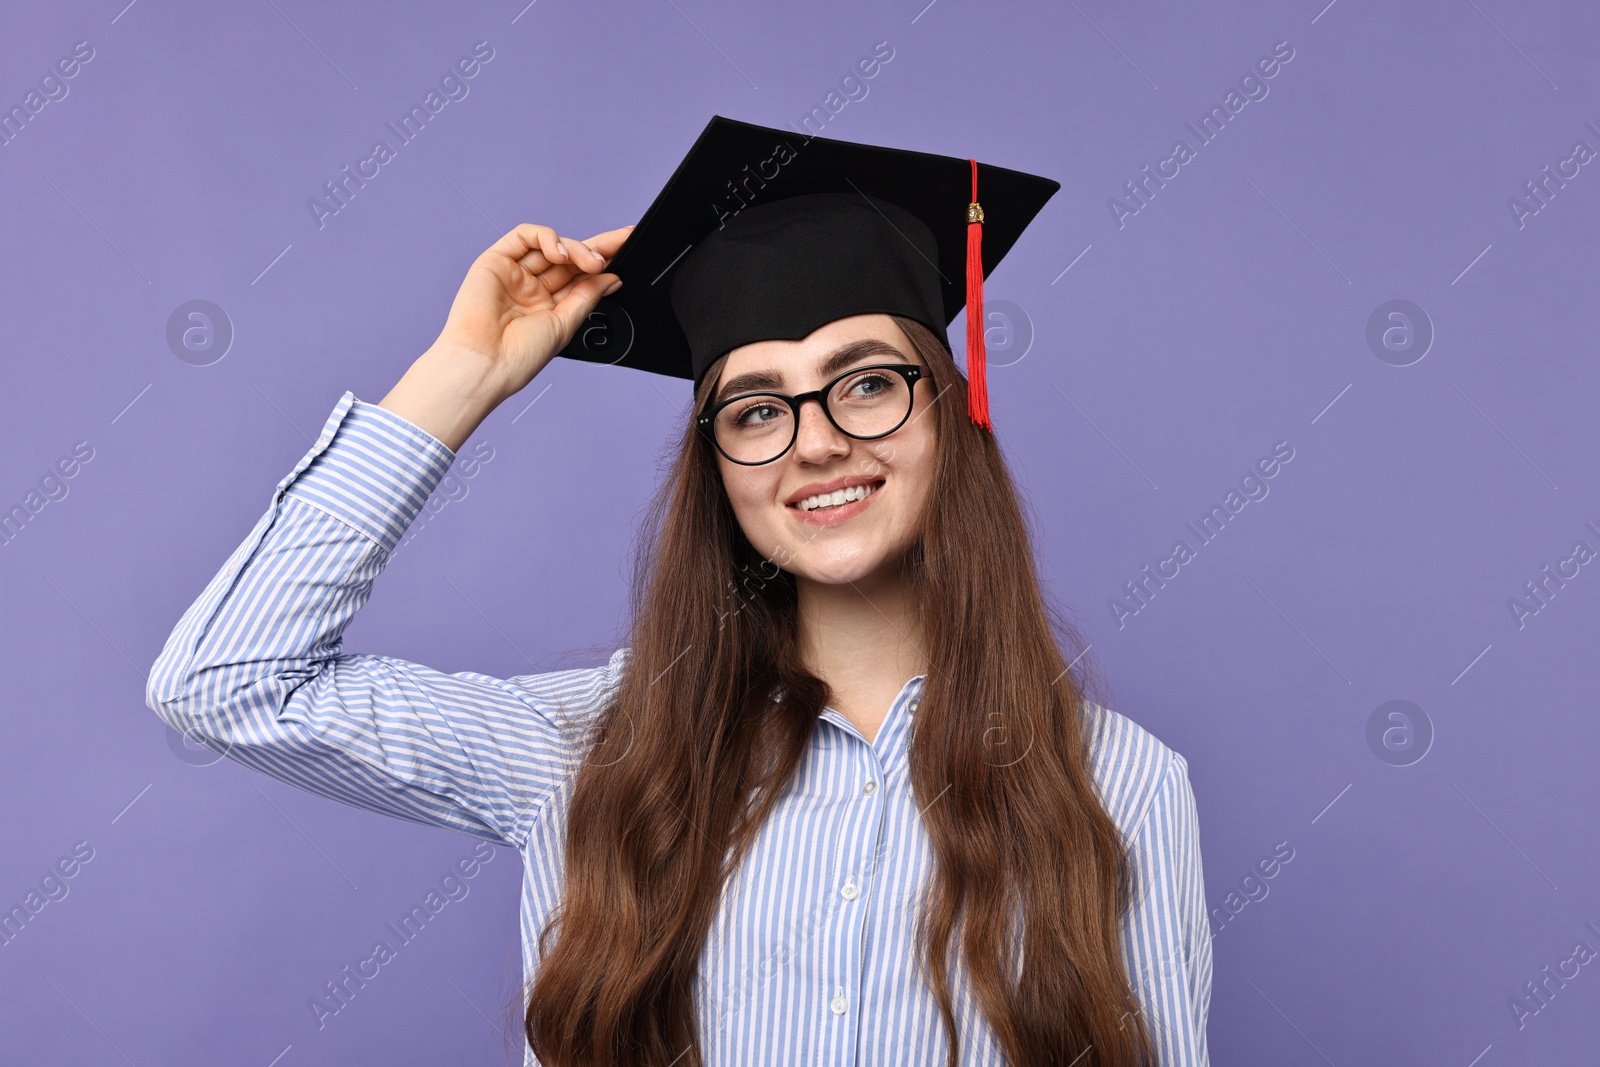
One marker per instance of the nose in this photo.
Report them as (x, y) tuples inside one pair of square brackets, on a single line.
[(817, 438)]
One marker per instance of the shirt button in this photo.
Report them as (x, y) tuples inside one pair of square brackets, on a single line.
[(914, 705), (870, 788), (838, 1004), (850, 891)]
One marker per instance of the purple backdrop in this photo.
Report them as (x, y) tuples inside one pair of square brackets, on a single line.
[(1380, 659)]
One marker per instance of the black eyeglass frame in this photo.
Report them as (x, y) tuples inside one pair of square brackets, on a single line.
[(911, 372)]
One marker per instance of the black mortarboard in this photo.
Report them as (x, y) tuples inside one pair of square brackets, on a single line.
[(765, 234)]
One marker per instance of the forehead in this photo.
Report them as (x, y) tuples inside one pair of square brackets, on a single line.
[(802, 360)]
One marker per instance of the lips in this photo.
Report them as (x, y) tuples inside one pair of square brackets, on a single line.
[(824, 488), (834, 515)]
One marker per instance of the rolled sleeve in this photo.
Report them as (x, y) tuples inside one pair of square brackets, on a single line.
[(371, 468)]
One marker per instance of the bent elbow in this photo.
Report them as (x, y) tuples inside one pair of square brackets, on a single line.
[(170, 703), (171, 691)]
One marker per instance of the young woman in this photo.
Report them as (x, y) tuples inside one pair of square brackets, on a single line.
[(840, 800)]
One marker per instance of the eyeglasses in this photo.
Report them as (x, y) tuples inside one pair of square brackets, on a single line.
[(864, 403)]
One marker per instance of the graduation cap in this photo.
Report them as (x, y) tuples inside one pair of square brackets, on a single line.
[(765, 234)]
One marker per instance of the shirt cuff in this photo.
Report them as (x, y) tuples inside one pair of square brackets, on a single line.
[(370, 468)]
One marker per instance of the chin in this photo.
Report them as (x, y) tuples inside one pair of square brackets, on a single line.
[(838, 569)]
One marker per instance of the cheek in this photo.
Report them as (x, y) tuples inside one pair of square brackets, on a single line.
[(909, 454), (750, 491), (917, 461)]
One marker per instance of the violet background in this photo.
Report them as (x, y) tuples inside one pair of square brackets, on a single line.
[(1229, 314)]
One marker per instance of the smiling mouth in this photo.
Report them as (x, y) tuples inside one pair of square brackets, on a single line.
[(839, 498)]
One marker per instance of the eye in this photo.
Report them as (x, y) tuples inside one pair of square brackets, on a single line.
[(870, 384), (756, 414)]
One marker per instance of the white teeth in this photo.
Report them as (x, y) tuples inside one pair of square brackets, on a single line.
[(834, 499)]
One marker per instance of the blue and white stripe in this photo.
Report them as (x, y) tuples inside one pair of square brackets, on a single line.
[(811, 958)]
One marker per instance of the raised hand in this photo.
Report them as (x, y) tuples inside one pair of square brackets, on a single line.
[(522, 300)]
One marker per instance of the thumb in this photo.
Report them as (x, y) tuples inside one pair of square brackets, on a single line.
[(575, 307)]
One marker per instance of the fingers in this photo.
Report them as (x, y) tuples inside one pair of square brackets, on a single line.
[(529, 238), (543, 253), (608, 243), (557, 263), (580, 299), (538, 248), (581, 254), (574, 280)]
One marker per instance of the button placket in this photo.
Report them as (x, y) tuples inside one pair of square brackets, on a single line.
[(850, 890)]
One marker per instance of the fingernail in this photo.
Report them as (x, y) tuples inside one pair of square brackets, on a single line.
[(561, 247), (613, 287)]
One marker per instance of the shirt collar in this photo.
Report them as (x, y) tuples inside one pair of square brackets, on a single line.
[(904, 704)]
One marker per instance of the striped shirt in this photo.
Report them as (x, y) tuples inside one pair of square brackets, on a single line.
[(811, 957)]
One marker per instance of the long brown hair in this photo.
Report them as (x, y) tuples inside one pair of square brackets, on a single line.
[(694, 752)]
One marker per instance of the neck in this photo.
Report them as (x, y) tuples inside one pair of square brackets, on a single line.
[(862, 636)]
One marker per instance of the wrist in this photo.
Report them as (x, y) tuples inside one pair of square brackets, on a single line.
[(446, 394), (471, 377)]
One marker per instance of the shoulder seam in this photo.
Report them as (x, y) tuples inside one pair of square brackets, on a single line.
[(1163, 758), (1167, 778)]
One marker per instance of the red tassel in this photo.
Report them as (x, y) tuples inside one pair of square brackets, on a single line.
[(977, 387)]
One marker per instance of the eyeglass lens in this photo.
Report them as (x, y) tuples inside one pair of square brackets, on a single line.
[(760, 427)]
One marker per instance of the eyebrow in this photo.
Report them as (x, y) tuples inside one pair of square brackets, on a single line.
[(832, 364)]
